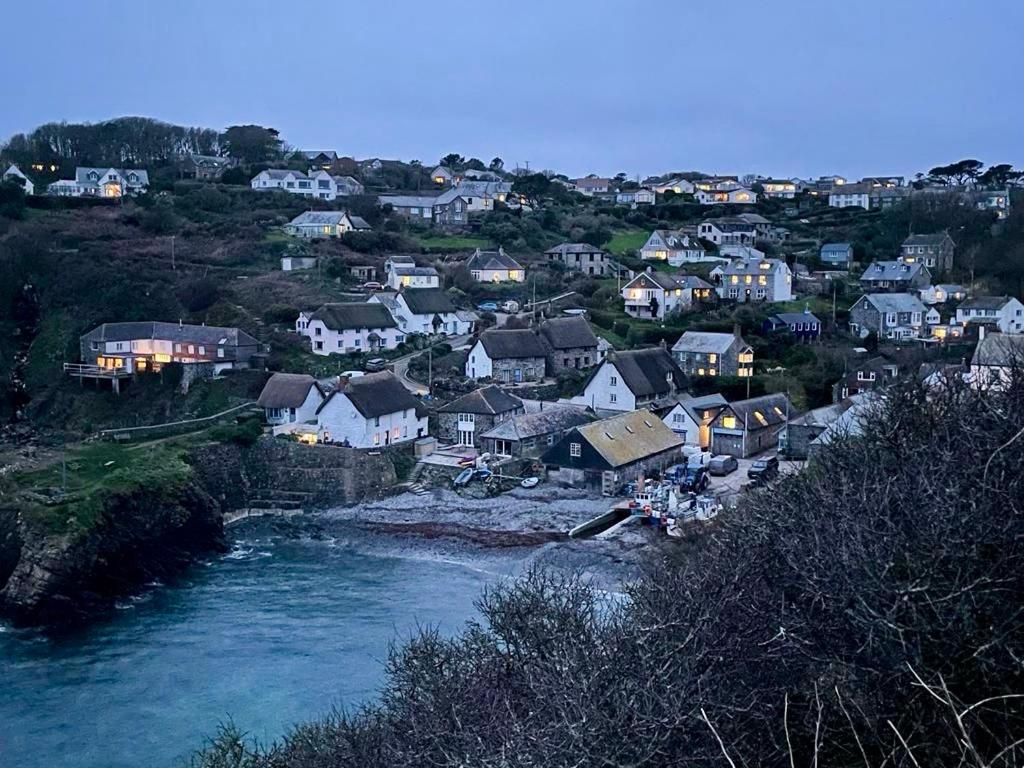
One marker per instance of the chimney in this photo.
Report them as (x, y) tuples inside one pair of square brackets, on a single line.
[(662, 343), (736, 330), (981, 333), (179, 322), (341, 383)]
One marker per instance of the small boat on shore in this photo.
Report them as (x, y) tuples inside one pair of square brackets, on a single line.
[(463, 477), (530, 482)]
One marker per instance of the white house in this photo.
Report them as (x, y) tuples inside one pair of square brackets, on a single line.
[(691, 418), (632, 379), (592, 185), (424, 310), (290, 398), (728, 231), (757, 279), (411, 276), (318, 183), (495, 267), (652, 295), (675, 247), (676, 185), (315, 224), (779, 189), (14, 172), (509, 356), (850, 195), (1003, 312), (101, 182), (738, 196), (941, 293), (635, 197), (371, 411), (338, 329)]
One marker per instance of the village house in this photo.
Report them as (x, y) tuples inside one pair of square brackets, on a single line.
[(738, 196), (635, 197), (676, 185), (606, 454), (632, 379), (290, 398), (747, 427), (802, 326), (101, 182), (895, 277), (757, 279), (1002, 312), (371, 411), (728, 231), (850, 196), (323, 159), (424, 310), (941, 293), (204, 167), (691, 417), (318, 183), (339, 329), (14, 174), (413, 206), (997, 200), (676, 247), (528, 435), (585, 259), (863, 376), (318, 224), (704, 353), (799, 435), (712, 183), (464, 420), (837, 254), (652, 295), (410, 276), (294, 263), (134, 347), (995, 359), (779, 189), (508, 356), (896, 316), (935, 251), (591, 186), (571, 343), (443, 176), (495, 267)]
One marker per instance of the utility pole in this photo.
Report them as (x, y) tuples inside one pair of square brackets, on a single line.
[(833, 302), (430, 370), (173, 265)]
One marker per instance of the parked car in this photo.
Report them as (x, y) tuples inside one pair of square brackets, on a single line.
[(487, 306), (376, 364), (351, 374), (696, 457), (764, 470), (694, 480), (722, 465), (372, 285), (511, 306)]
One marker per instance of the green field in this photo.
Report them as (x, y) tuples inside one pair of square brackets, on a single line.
[(631, 240), (453, 243)]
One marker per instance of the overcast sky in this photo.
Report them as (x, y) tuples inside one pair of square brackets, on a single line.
[(778, 88)]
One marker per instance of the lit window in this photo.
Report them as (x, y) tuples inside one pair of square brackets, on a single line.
[(729, 422)]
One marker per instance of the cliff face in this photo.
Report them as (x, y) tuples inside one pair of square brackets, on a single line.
[(138, 536)]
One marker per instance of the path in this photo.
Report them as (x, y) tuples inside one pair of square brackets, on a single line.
[(400, 365)]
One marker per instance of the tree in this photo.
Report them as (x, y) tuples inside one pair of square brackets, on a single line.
[(253, 143), (533, 187), (958, 173), (497, 165), (453, 160), (999, 175)]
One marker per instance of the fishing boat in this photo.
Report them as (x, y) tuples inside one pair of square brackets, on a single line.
[(483, 474), (463, 477)]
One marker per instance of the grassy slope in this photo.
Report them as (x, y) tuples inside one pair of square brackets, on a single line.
[(627, 240)]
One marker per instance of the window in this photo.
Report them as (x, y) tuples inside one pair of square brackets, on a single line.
[(613, 381), (318, 331), (677, 418), (376, 421), (220, 352), (575, 450), (729, 422), (613, 398)]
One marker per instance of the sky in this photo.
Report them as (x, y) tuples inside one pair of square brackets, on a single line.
[(788, 88)]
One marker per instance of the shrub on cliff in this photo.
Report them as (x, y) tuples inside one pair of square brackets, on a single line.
[(866, 612)]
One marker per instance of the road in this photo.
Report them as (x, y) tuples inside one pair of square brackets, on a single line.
[(400, 365)]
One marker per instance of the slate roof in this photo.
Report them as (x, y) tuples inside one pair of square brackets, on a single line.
[(202, 334), (408, 201), (895, 302), (568, 333), (411, 271), (678, 240), (492, 260), (663, 280), (554, 418), (319, 218), (692, 405), (354, 315), (788, 318), (646, 371), (427, 301), (752, 266), (836, 247), (631, 437), (486, 401), (512, 344), (984, 302), (565, 248), (997, 349), (764, 411), (286, 390), (377, 394), (935, 238), (704, 342), (891, 270), (81, 174), (358, 222), (280, 173)]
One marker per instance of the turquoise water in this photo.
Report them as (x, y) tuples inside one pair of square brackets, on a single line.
[(275, 633)]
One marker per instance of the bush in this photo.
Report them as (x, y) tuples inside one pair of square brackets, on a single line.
[(246, 432)]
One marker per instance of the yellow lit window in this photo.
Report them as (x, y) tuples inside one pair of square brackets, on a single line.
[(746, 357), (762, 280), (679, 291), (711, 371), (700, 371), (760, 417), (765, 265), (729, 422), (712, 358), (734, 279), (748, 279)]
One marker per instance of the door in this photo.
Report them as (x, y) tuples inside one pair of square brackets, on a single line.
[(519, 374), (465, 437)]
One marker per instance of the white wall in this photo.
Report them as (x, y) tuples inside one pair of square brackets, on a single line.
[(606, 385), (305, 412), (686, 427), (340, 421), (478, 364), (349, 339)]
